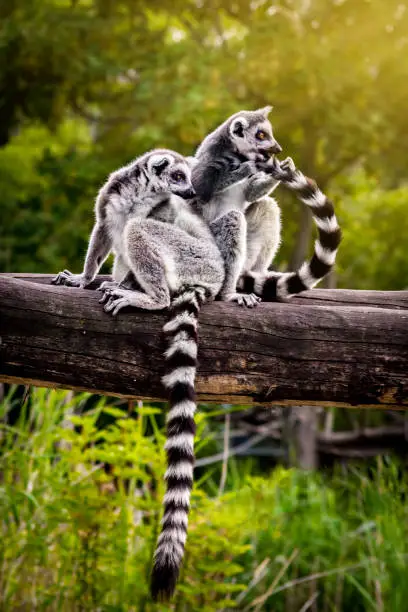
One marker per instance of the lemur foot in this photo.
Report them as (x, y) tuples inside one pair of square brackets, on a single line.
[(116, 298), (127, 283), (107, 286), (250, 300), (67, 278)]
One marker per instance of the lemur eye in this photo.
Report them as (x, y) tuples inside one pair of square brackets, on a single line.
[(178, 177), (261, 135)]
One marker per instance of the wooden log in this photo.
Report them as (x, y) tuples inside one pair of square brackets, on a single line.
[(326, 347)]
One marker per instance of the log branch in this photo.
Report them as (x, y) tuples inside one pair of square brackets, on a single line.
[(326, 347)]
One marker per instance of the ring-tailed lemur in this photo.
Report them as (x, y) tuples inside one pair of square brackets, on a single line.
[(128, 193), (234, 172), (171, 253)]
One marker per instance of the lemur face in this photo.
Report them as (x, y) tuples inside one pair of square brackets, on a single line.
[(251, 134), (171, 172)]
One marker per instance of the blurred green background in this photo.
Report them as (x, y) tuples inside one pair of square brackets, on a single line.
[(87, 85)]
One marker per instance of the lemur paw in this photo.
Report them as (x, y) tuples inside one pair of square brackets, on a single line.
[(250, 300), (115, 305), (285, 170), (287, 165), (280, 170), (115, 299), (67, 278), (107, 286)]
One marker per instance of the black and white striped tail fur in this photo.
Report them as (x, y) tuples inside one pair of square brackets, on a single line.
[(181, 365), (277, 286)]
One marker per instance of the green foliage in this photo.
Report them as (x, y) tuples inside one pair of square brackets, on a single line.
[(76, 536), (80, 509), (48, 193), (373, 254)]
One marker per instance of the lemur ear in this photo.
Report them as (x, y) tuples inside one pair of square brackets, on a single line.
[(238, 126), (266, 110), (157, 163)]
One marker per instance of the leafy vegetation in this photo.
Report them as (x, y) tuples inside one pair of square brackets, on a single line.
[(80, 507)]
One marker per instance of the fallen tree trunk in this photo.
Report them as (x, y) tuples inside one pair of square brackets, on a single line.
[(345, 348)]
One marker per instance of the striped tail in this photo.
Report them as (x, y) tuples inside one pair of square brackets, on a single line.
[(276, 286), (181, 365)]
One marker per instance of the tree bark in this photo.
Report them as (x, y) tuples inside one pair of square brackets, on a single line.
[(347, 348), (301, 436)]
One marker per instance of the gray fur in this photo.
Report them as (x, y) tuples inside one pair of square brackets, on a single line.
[(132, 192), (227, 178), (235, 172), (164, 258)]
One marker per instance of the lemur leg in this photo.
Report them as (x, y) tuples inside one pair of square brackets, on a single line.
[(264, 237), (127, 282), (229, 232), (149, 269), (119, 269), (117, 298), (99, 247), (123, 277), (263, 224), (263, 234)]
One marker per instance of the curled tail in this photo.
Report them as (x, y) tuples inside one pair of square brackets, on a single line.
[(278, 286), (181, 365)]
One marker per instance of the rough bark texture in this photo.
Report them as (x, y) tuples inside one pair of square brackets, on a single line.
[(325, 347)]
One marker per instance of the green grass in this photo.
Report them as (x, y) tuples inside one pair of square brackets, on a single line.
[(76, 536)]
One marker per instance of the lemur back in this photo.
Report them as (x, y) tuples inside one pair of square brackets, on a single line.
[(234, 172), (166, 256)]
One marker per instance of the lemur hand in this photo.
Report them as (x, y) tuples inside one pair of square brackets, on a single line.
[(280, 170), (71, 280), (287, 166)]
